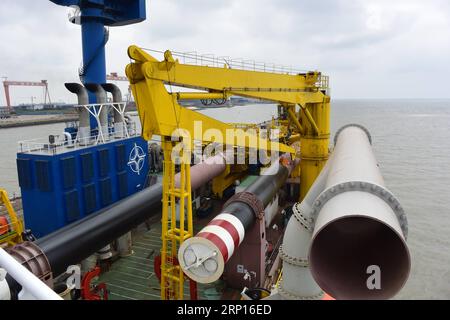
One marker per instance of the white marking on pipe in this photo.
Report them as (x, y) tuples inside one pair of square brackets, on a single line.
[(223, 234), (235, 222)]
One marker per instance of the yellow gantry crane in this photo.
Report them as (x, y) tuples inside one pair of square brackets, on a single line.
[(303, 97)]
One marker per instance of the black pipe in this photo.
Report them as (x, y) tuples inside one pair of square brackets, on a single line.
[(264, 189), (77, 241), (267, 186), (241, 211)]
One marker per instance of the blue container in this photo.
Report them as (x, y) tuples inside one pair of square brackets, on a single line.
[(62, 188)]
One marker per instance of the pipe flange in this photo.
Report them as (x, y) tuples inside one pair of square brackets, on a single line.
[(352, 125), (363, 186), (34, 259), (304, 222), (300, 262), (249, 199), (290, 296)]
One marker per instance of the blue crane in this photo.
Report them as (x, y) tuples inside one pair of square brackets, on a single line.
[(93, 16)]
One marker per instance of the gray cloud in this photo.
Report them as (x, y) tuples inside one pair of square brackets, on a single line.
[(370, 48)]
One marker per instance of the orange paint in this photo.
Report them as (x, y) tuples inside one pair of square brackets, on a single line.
[(4, 225), (327, 297)]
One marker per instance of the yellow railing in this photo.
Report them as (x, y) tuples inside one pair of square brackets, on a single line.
[(174, 231)]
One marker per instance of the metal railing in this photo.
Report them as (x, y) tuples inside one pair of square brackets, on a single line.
[(323, 82), (210, 60), (61, 144)]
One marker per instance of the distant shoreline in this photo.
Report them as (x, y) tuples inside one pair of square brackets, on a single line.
[(35, 121)]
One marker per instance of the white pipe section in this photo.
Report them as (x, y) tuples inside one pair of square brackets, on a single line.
[(5, 293), (297, 282), (29, 282), (356, 224), (359, 225)]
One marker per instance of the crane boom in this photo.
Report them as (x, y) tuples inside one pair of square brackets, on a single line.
[(161, 114), (159, 110)]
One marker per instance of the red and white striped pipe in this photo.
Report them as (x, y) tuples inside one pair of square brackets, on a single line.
[(226, 232), (203, 257)]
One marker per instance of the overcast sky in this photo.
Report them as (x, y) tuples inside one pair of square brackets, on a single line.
[(370, 48)]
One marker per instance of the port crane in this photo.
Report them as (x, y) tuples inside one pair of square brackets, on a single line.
[(305, 104), (114, 76), (42, 83)]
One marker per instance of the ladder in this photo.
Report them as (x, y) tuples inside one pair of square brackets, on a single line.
[(174, 230)]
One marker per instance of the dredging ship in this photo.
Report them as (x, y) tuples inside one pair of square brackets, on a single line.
[(210, 210)]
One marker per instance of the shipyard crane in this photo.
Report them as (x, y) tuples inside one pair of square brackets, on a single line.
[(114, 76), (7, 84), (302, 96)]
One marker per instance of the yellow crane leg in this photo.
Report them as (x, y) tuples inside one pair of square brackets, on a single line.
[(175, 230), (314, 146)]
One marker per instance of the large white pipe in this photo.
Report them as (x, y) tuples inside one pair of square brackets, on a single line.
[(29, 282), (358, 246), (360, 226)]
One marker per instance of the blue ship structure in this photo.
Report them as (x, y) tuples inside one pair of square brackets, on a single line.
[(64, 179), (60, 188)]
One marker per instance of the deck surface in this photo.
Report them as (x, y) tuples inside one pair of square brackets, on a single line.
[(133, 277)]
